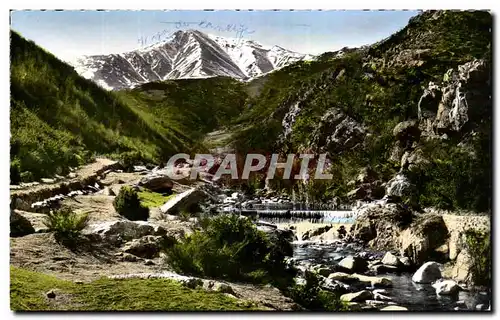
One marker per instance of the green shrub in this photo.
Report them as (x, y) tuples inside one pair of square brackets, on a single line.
[(184, 215), (312, 297), (128, 204), (479, 247), (15, 172), (27, 176), (66, 225), (128, 159), (227, 247)]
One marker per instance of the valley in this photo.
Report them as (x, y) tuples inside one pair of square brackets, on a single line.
[(402, 224)]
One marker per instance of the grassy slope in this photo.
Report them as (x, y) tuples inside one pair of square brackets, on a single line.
[(201, 105), (27, 293), (153, 199)]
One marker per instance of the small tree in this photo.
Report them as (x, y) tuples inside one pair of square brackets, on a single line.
[(128, 204)]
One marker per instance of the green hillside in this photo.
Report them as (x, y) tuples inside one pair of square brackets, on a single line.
[(380, 86), (59, 119)]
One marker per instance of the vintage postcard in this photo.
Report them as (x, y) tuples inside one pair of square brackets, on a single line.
[(251, 160)]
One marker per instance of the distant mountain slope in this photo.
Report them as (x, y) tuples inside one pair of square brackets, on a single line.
[(186, 54)]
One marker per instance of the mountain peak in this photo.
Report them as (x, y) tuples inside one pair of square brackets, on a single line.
[(185, 54)]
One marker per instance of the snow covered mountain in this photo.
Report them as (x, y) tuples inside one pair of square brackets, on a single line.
[(186, 54)]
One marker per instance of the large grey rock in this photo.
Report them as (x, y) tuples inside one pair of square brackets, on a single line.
[(379, 223), (156, 182), (446, 288), (147, 247), (19, 225), (427, 273), (121, 231), (353, 264), (183, 200)]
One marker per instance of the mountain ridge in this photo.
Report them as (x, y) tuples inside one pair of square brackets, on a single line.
[(186, 54)]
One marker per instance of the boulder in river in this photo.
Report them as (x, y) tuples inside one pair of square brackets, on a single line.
[(394, 308), (446, 288), (391, 260), (375, 282), (353, 264), (427, 273), (357, 296)]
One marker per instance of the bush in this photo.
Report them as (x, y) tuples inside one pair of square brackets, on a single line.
[(128, 159), (227, 247), (27, 176), (479, 247), (66, 225), (128, 204), (15, 172), (312, 297)]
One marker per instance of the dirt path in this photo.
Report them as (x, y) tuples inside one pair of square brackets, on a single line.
[(23, 196)]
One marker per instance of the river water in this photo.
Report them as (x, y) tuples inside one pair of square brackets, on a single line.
[(415, 297)]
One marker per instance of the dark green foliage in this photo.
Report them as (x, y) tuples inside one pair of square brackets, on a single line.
[(479, 247), (228, 247), (66, 225), (455, 177), (128, 204), (200, 105), (15, 172), (313, 298)]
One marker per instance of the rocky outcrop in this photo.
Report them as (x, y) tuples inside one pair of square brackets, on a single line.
[(463, 98), (316, 232), (121, 231), (399, 186), (407, 132), (422, 239), (336, 132), (379, 223), (280, 239)]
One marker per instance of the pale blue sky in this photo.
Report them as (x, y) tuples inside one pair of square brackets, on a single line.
[(68, 34)]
